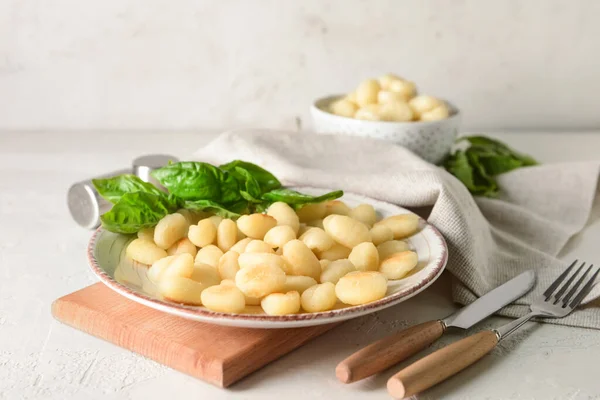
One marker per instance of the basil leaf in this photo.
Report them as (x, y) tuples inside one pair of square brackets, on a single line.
[(216, 208), (265, 179), (253, 191), (191, 180), (136, 211), (112, 189), (295, 198)]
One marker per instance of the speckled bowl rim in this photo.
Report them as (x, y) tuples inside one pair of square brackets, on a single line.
[(204, 315), (455, 114)]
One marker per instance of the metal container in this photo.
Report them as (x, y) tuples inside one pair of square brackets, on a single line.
[(85, 203)]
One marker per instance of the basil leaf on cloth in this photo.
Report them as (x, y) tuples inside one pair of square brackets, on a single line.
[(484, 158), (265, 179), (137, 210), (112, 189)]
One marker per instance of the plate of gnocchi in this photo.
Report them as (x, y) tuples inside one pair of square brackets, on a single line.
[(284, 268)]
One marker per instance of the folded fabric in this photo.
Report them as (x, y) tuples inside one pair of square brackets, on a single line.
[(490, 240)]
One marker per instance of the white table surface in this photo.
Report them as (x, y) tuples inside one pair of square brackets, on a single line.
[(42, 257)]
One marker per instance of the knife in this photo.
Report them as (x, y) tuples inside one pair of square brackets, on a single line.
[(398, 347)]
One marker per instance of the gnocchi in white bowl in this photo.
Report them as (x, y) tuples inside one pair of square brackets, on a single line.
[(364, 255), (390, 108)]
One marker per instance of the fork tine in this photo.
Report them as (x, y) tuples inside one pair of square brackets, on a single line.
[(566, 299), (564, 287), (558, 280), (586, 289)]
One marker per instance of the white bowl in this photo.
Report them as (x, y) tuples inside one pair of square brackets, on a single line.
[(431, 140)]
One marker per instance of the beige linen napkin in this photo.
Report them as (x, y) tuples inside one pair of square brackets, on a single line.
[(489, 240)]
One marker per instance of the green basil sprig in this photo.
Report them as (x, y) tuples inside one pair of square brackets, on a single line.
[(484, 158), (230, 190)]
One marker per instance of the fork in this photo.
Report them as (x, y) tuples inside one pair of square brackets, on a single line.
[(555, 302)]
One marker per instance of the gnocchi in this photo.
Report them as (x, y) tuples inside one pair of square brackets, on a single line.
[(210, 255), (145, 251), (365, 257), (322, 257), (399, 264), (391, 247), (256, 226), (183, 246), (281, 303), (203, 234), (320, 297), (226, 234), (335, 270), (346, 231), (260, 280), (317, 239), (223, 298), (361, 287), (228, 265), (389, 98), (170, 229), (279, 236), (298, 283), (301, 260), (259, 246), (403, 225), (284, 215)]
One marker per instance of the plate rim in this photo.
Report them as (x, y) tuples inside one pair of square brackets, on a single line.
[(323, 317)]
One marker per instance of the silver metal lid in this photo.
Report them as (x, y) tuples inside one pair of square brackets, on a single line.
[(144, 165)]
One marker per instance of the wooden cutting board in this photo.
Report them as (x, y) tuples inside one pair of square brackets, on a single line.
[(217, 354)]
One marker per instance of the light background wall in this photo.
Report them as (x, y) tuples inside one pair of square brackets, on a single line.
[(183, 64)]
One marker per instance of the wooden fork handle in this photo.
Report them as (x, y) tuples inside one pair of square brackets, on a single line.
[(388, 351), (440, 365)]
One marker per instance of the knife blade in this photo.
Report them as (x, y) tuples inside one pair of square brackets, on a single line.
[(491, 302), (397, 347)]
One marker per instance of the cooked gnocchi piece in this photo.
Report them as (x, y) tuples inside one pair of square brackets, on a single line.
[(203, 234), (170, 229), (260, 280), (281, 303), (319, 297), (399, 264), (361, 287), (183, 246), (206, 274), (181, 290), (317, 239), (284, 215), (247, 260), (301, 260), (226, 234), (336, 252), (279, 236), (298, 283), (210, 255), (365, 257), (223, 298), (381, 233), (259, 246), (228, 265), (256, 225), (346, 231), (391, 247), (364, 213), (145, 251), (336, 207), (335, 270), (403, 225)]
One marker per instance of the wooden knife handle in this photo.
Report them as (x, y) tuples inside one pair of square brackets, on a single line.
[(438, 366), (388, 351)]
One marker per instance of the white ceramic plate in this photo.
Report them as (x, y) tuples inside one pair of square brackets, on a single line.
[(106, 254)]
